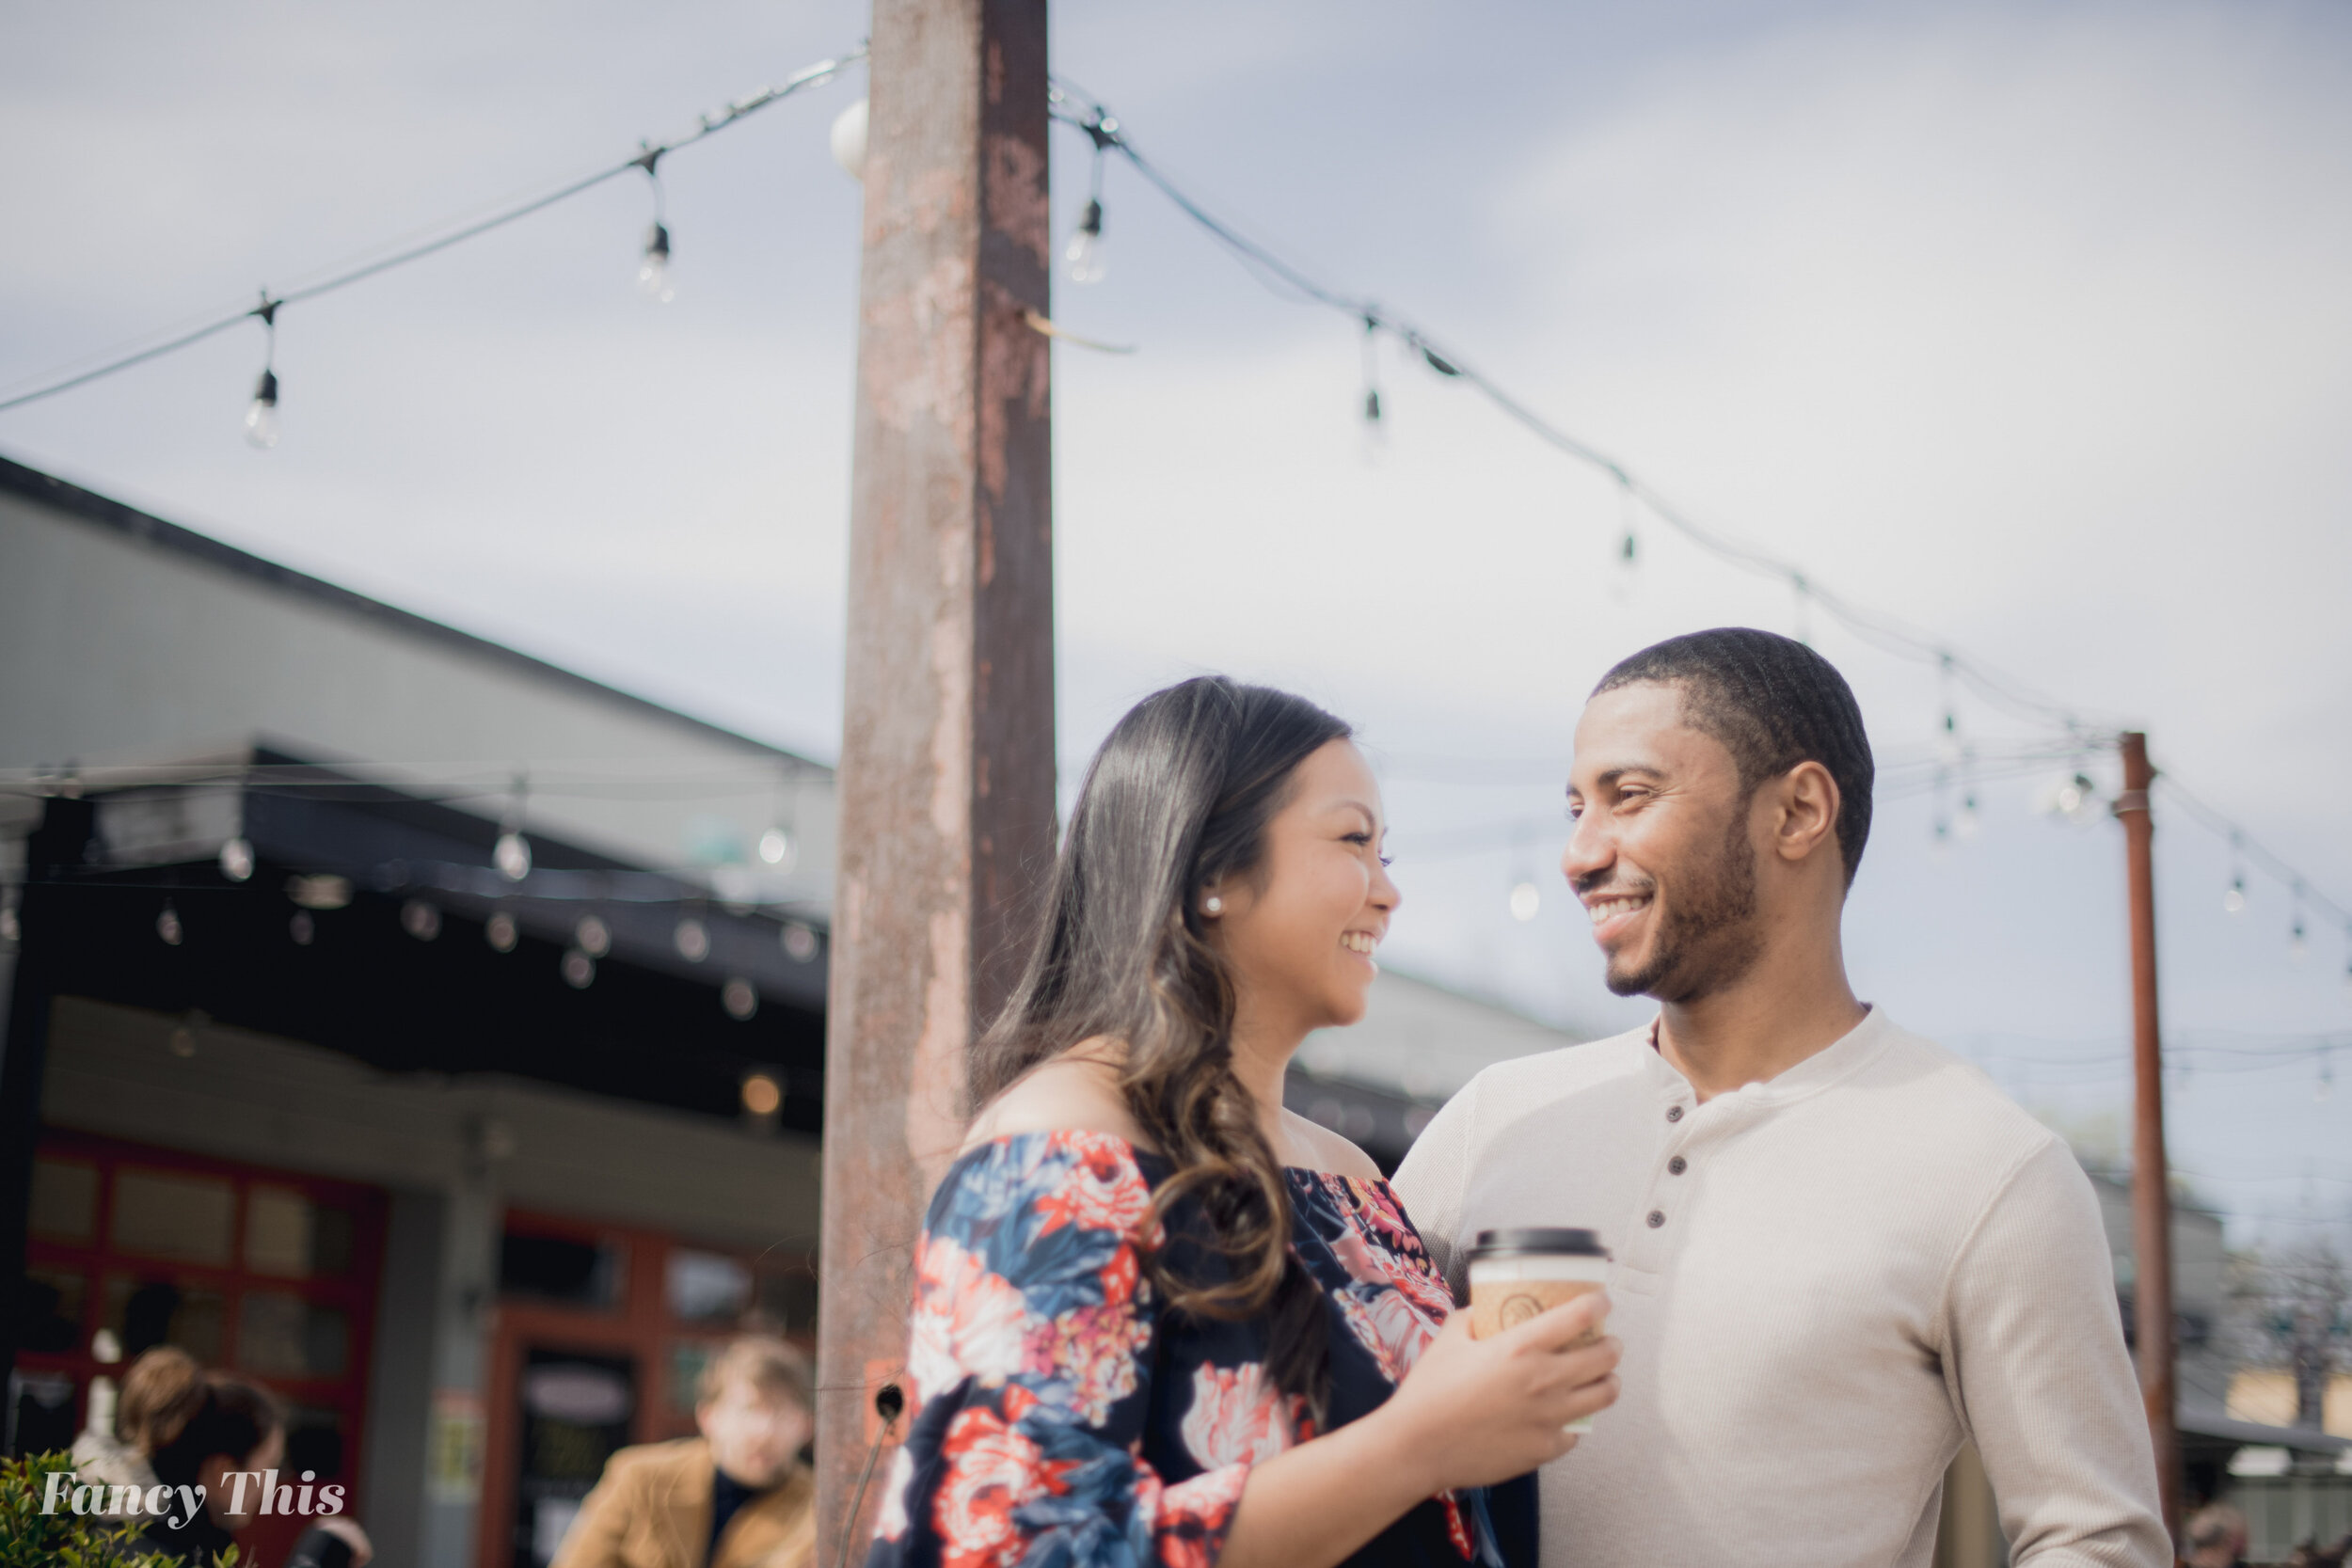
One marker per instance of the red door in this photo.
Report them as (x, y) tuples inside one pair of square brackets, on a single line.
[(270, 1273)]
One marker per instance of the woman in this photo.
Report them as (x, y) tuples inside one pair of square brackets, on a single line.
[(1158, 1318), (162, 1388), (239, 1426)]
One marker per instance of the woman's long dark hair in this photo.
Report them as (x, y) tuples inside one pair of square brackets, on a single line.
[(1176, 801)]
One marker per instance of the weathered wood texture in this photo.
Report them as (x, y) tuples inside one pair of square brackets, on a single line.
[(946, 779)]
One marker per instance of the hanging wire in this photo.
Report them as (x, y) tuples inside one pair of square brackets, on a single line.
[(1072, 105), (708, 125)]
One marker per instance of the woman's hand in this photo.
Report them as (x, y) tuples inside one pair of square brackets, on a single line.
[(1481, 1410)]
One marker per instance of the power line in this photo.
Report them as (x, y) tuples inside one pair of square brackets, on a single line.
[(1074, 106), (647, 158)]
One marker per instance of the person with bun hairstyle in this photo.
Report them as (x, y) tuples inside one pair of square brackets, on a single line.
[(239, 1426), (162, 1388), (1159, 1319)]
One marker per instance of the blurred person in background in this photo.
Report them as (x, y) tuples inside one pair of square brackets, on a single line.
[(163, 1389), (239, 1426), (736, 1496), (2216, 1537)]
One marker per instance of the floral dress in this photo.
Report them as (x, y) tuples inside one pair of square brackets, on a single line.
[(1059, 1418)]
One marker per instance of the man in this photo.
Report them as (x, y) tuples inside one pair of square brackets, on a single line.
[(1838, 1250), (737, 1497)]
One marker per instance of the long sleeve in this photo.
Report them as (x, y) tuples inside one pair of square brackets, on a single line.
[(2036, 1360), (1431, 1181), (1033, 1335)]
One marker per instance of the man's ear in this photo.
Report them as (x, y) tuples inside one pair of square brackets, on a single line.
[(1806, 821)]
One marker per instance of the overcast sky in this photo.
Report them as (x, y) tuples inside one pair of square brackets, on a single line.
[(2027, 325)]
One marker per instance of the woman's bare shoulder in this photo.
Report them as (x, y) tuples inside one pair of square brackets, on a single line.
[(1331, 1152), (1075, 1092)]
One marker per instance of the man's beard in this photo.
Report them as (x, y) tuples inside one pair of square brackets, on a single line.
[(1706, 936)]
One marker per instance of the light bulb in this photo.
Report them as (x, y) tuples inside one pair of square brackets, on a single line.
[(2296, 946), (848, 139), (1967, 822), (1084, 253), (236, 859), (652, 273), (167, 925), (777, 848), (693, 940), (2234, 901), (260, 420), (512, 856), (1526, 899)]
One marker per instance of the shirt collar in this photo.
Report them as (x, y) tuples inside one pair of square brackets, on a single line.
[(1840, 1059)]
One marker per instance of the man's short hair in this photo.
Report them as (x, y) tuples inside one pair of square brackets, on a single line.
[(1774, 703), (764, 1361)]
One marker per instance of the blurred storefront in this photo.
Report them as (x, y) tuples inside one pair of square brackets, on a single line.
[(427, 1031)]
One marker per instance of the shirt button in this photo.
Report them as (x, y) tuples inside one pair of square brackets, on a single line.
[(1657, 1218), (1674, 1113), (1677, 1166)]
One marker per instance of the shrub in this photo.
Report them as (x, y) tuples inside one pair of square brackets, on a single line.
[(31, 1539)]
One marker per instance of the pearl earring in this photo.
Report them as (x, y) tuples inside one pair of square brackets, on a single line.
[(1213, 905)]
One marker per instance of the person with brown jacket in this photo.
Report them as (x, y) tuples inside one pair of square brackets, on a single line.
[(737, 1497)]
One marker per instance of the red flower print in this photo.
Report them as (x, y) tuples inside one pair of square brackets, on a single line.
[(1190, 1518), (1457, 1527), (991, 1470), (1101, 1190), (968, 1322), (1389, 1326), (1091, 1352), (1237, 1416), (1356, 1256)]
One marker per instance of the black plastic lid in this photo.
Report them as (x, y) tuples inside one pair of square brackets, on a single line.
[(1531, 1240)]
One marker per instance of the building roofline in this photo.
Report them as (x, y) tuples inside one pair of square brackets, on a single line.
[(102, 512)]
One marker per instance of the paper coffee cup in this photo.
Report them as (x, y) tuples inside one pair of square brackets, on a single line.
[(1517, 1272)]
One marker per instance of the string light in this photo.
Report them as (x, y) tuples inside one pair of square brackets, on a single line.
[(1527, 901), (1372, 372), (498, 931), (710, 124), (845, 140), (167, 925), (653, 269), (236, 858), (2296, 945), (693, 938), (1085, 255), (512, 853), (260, 419)]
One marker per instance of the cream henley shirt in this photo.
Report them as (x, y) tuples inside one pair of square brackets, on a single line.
[(1823, 1283)]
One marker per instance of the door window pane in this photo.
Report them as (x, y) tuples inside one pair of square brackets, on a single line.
[(277, 1233), (560, 1269), (144, 1312), (169, 1215), (65, 1200), (280, 1334), (707, 1287)]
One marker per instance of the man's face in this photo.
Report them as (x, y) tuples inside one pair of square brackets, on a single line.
[(754, 1435), (1662, 856)]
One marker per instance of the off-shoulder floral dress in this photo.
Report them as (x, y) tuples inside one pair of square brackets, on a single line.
[(1059, 1418)]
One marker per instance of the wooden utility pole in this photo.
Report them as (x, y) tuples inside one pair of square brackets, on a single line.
[(946, 779), (2151, 1197)]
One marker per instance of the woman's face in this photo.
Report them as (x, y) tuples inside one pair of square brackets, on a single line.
[(219, 1493), (1299, 932)]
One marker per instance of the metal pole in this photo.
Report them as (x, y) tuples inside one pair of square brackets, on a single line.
[(946, 779), (2152, 1198)]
